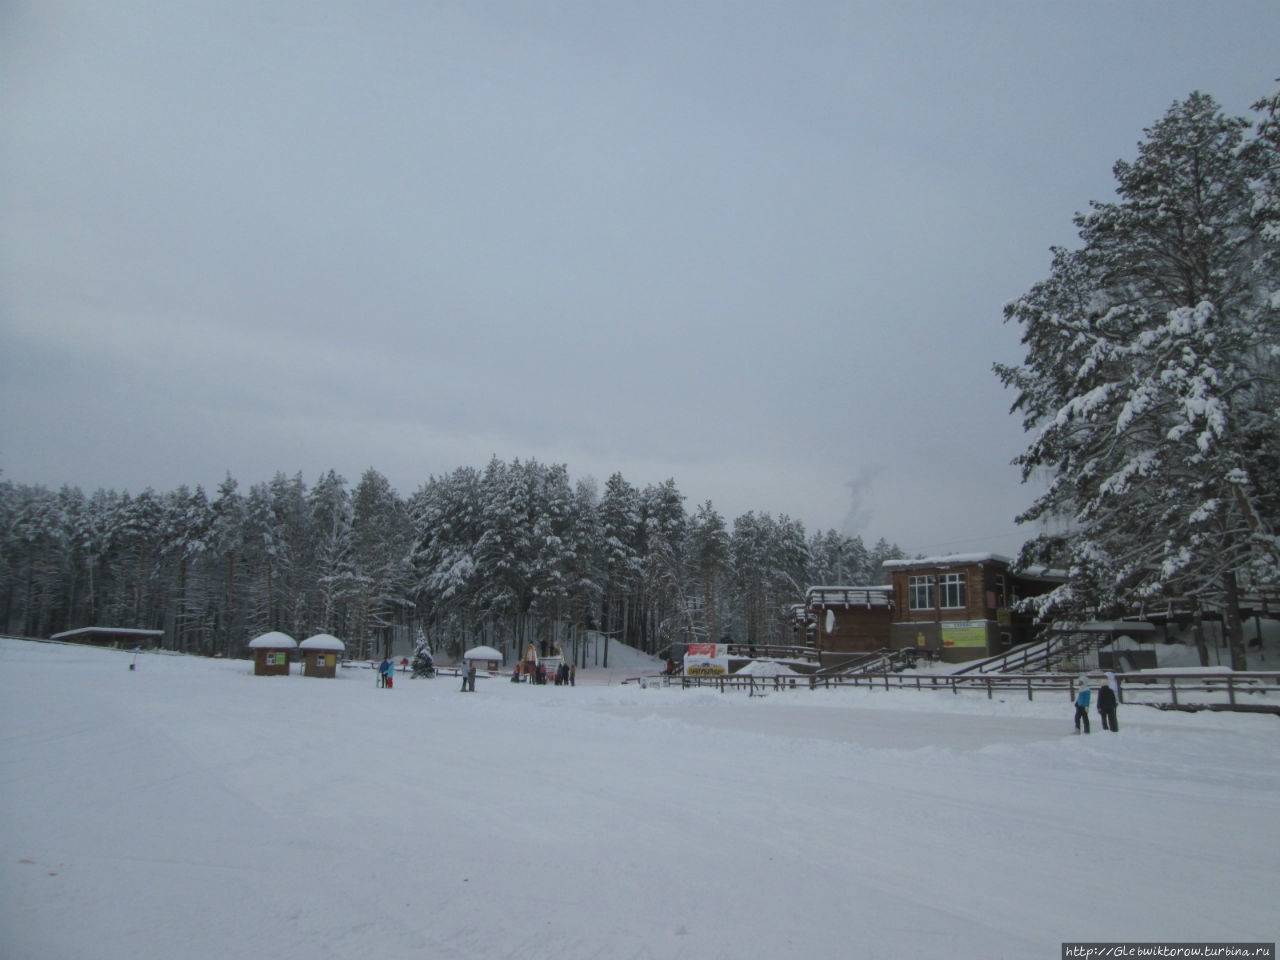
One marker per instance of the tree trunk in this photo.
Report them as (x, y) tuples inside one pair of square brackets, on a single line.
[(1231, 621), (1197, 634)]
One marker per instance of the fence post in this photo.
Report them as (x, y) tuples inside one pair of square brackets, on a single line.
[(988, 686), (1029, 694), (1173, 691), (1231, 690)]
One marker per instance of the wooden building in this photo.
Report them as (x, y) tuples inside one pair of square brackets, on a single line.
[(320, 655), (848, 620), (272, 653), (960, 607), (485, 659)]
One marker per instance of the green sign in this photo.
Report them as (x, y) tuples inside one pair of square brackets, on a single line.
[(964, 633)]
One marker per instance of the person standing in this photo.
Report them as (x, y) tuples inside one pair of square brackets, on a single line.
[(382, 672), (471, 676), (462, 672), (1107, 707), (573, 674), (1082, 707)]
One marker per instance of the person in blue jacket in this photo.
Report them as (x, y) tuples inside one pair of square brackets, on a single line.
[(1082, 707)]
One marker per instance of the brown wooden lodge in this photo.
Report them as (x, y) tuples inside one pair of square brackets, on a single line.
[(953, 608)]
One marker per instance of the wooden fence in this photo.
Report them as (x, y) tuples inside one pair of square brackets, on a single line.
[(1157, 689)]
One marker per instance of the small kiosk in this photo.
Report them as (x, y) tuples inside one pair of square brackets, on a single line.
[(320, 655), (271, 653), (485, 659)]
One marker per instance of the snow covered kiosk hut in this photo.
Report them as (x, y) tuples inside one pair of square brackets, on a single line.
[(271, 653), (320, 655), (485, 659)]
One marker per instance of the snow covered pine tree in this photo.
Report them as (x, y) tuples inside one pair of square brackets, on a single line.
[(1151, 384)]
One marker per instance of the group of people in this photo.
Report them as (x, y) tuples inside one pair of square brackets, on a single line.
[(565, 674), (467, 671), (1106, 706), (386, 673)]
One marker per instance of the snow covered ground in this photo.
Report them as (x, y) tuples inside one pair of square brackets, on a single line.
[(189, 810)]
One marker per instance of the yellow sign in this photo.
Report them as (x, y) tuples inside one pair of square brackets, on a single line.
[(705, 670), (964, 633)]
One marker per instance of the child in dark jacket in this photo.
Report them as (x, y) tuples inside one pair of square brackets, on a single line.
[(1107, 707)]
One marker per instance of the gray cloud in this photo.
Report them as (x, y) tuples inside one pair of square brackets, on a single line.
[(759, 248)]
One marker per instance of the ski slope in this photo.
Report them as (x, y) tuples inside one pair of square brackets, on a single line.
[(187, 809)]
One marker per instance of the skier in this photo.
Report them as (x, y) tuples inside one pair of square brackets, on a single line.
[(1107, 706), (1082, 707)]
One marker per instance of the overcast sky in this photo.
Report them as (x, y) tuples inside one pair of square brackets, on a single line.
[(761, 248)]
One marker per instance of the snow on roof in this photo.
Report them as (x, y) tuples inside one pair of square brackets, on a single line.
[(322, 641), (129, 631), (949, 558), (956, 559), (881, 586), (272, 641), (1041, 573), (1105, 626), (482, 653), (877, 596)]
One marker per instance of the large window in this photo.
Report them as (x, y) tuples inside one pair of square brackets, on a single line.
[(920, 593), (952, 591)]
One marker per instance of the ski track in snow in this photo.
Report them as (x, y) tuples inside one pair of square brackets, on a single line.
[(188, 809)]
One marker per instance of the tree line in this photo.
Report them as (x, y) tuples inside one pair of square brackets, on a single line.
[(1151, 383), (510, 554)]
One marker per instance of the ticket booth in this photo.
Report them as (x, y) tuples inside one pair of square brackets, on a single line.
[(272, 653), (320, 655)]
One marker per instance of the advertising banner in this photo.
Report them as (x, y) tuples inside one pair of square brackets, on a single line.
[(706, 666), (964, 633)]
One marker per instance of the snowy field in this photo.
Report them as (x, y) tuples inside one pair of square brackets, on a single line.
[(188, 810)]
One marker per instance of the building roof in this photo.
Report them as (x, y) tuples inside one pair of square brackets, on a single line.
[(275, 640), (877, 596), (948, 559), (322, 641), (482, 653), (122, 631), (964, 559)]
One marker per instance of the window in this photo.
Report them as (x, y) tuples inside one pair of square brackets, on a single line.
[(952, 590), (920, 593)]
